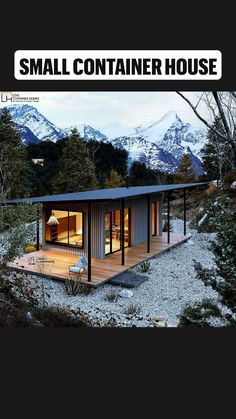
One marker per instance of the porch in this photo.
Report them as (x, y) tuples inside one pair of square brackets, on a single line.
[(102, 270)]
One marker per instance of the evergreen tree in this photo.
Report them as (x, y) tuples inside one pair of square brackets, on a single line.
[(222, 278), (114, 180), (76, 170), (13, 163), (186, 172), (140, 175), (217, 155), (106, 157)]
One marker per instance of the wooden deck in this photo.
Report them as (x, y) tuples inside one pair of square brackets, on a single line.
[(57, 263)]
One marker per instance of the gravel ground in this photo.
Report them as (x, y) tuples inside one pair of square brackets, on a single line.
[(172, 284)]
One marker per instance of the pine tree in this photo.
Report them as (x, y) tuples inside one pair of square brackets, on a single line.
[(76, 170), (186, 172), (140, 175), (217, 155), (114, 180), (13, 163), (222, 278)]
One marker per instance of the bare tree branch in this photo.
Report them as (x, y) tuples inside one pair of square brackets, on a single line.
[(222, 115), (203, 120)]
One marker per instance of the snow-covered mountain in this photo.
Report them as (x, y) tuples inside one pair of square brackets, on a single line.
[(160, 145), (27, 135), (38, 128), (30, 117), (87, 132)]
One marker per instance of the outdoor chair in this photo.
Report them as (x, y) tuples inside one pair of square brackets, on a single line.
[(79, 267)]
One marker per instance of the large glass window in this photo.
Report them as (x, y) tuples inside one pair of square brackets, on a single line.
[(64, 227)]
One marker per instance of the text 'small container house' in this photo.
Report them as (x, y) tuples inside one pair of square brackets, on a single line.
[(115, 228)]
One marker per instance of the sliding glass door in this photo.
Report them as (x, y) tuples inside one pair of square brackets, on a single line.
[(113, 230)]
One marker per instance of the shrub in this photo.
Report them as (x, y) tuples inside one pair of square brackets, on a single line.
[(132, 309), (60, 317), (145, 266), (29, 248), (75, 287), (229, 178), (85, 289), (165, 226), (111, 296), (72, 286)]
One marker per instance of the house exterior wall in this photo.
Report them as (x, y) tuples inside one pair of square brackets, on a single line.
[(139, 216), (98, 231), (138, 223)]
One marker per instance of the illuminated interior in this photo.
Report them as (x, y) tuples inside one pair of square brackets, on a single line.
[(113, 228), (155, 226), (68, 231)]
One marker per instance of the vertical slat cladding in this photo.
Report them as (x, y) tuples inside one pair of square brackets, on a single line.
[(97, 231)]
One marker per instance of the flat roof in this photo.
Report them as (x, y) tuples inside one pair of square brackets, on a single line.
[(106, 194)]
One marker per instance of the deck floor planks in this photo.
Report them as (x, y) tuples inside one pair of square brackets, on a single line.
[(102, 270)]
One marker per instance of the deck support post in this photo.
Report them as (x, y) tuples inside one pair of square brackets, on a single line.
[(168, 217), (89, 243), (184, 212), (37, 228), (148, 222), (122, 230)]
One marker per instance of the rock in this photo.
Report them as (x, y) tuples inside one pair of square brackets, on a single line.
[(163, 324), (201, 221), (233, 185), (29, 315), (126, 293), (190, 242), (156, 319)]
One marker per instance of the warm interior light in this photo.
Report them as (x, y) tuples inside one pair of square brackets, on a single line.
[(53, 220)]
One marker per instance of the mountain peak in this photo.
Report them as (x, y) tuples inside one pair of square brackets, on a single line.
[(22, 108)]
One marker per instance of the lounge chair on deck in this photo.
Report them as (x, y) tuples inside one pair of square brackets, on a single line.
[(79, 267)]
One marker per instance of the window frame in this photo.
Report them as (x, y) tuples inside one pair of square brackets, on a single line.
[(68, 229)]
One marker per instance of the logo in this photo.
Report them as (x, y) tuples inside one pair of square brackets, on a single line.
[(6, 96), (10, 97)]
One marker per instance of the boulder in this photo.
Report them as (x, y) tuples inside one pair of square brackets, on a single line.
[(201, 221), (233, 185), (126, 293)]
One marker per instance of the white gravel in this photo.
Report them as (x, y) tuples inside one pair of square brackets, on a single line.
[(171, 285)]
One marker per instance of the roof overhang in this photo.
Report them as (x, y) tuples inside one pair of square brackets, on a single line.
[(104, 195)]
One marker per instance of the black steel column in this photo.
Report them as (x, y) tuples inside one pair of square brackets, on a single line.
[(122, 230), (89, 243), (168, 217), (148, 223), (37, 228), (185, 212)]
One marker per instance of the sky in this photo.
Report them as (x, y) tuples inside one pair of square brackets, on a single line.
[(102, 109)]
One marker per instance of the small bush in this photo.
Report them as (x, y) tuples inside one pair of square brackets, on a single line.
[(111, 296), (85, 289), (229, 178), (132, 309), (29, 248), (72, 286), (75, 287), (165, 227), (145, 266)]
